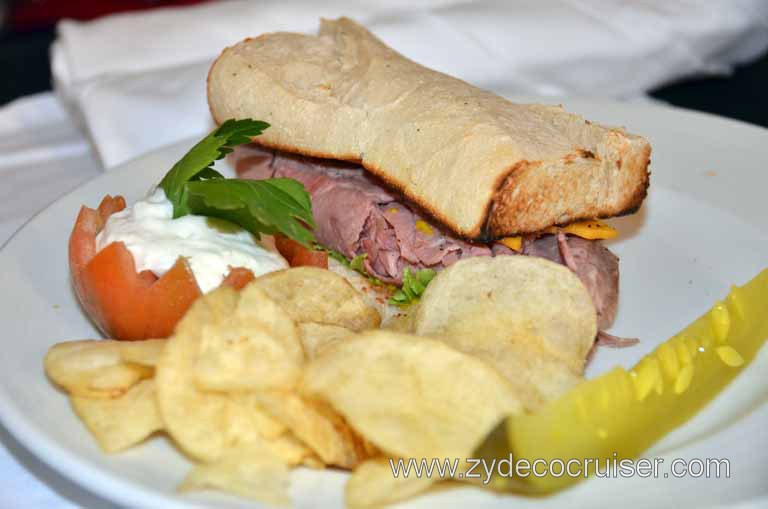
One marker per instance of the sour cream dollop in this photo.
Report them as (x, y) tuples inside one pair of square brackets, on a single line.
[(212, 247)]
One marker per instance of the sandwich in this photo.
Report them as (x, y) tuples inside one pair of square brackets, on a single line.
[(410, 170)]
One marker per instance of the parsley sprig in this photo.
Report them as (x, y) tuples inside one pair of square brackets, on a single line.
[(357, 264), (260, 206), (413, 286), (269, 206)]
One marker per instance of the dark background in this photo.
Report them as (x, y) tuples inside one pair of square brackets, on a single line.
[(29, 32)]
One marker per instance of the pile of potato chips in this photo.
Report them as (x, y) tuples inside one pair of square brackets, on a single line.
[(294, 371)]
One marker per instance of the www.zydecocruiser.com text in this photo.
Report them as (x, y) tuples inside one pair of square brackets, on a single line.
[(483, 469)]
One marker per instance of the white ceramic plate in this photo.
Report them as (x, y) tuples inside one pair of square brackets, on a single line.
[(701, 229)]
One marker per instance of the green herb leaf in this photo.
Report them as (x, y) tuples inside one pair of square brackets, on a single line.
[(357, 263), (334, 254), (196, 164), (260, 206), (413, 287)]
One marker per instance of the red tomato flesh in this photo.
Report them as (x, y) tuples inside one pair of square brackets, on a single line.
[(126, 304), (297, 255)]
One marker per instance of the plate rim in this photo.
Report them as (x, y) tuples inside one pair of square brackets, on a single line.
[(65, 462), (82, 473)]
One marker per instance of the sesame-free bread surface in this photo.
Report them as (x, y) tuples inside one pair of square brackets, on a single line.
[(483, 166)]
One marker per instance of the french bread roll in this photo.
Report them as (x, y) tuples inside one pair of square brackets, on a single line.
[(483, 166)]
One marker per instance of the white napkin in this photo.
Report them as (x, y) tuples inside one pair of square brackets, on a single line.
[(137, 81), (43, 157)]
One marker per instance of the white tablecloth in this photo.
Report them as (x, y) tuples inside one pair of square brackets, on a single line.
[(43, 157), (134, 82)]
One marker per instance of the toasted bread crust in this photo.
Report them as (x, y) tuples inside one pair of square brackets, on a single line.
[(532, 198), (481, 165)]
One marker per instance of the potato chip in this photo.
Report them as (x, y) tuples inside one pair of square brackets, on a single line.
[(293, 451), (206, 424), (119, 423), (277, 375), (100, 368), (310, 294), (410, 396), (316, 336), (244, 417), (253, 471), (403, 320), (375, 295), (531, 319), (317, 425), (246, 421), (196, 420), (517, 299), (374, 484), (115, 380), (146, 352), (313, 462), (255, 345), (536, 375)]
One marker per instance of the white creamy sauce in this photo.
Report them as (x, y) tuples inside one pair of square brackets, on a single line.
[(211, 247)]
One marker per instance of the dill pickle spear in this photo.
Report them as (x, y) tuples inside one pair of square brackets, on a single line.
[(624, 412)]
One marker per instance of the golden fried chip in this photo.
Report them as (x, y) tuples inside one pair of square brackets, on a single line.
[(121, 422), (310, 294), (374, 295), (403, 320), (115, 380), (316, 336), (313, 462), (317, 425), (531, 319), (536, 376), (206, 424), (195, 419), (255, 346), (292, 451), (244, 418), (100, 368), (146, 352), (373, 484), (253, 471), (410, 396), (518, 299)]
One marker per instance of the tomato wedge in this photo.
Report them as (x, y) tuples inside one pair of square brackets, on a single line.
[(238, 278), (126, 304), (298, 255)]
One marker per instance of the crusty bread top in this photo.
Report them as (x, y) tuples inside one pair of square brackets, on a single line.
[(482, 165)]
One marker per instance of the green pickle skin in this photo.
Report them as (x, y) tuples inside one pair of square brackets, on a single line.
[(625, 412)]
